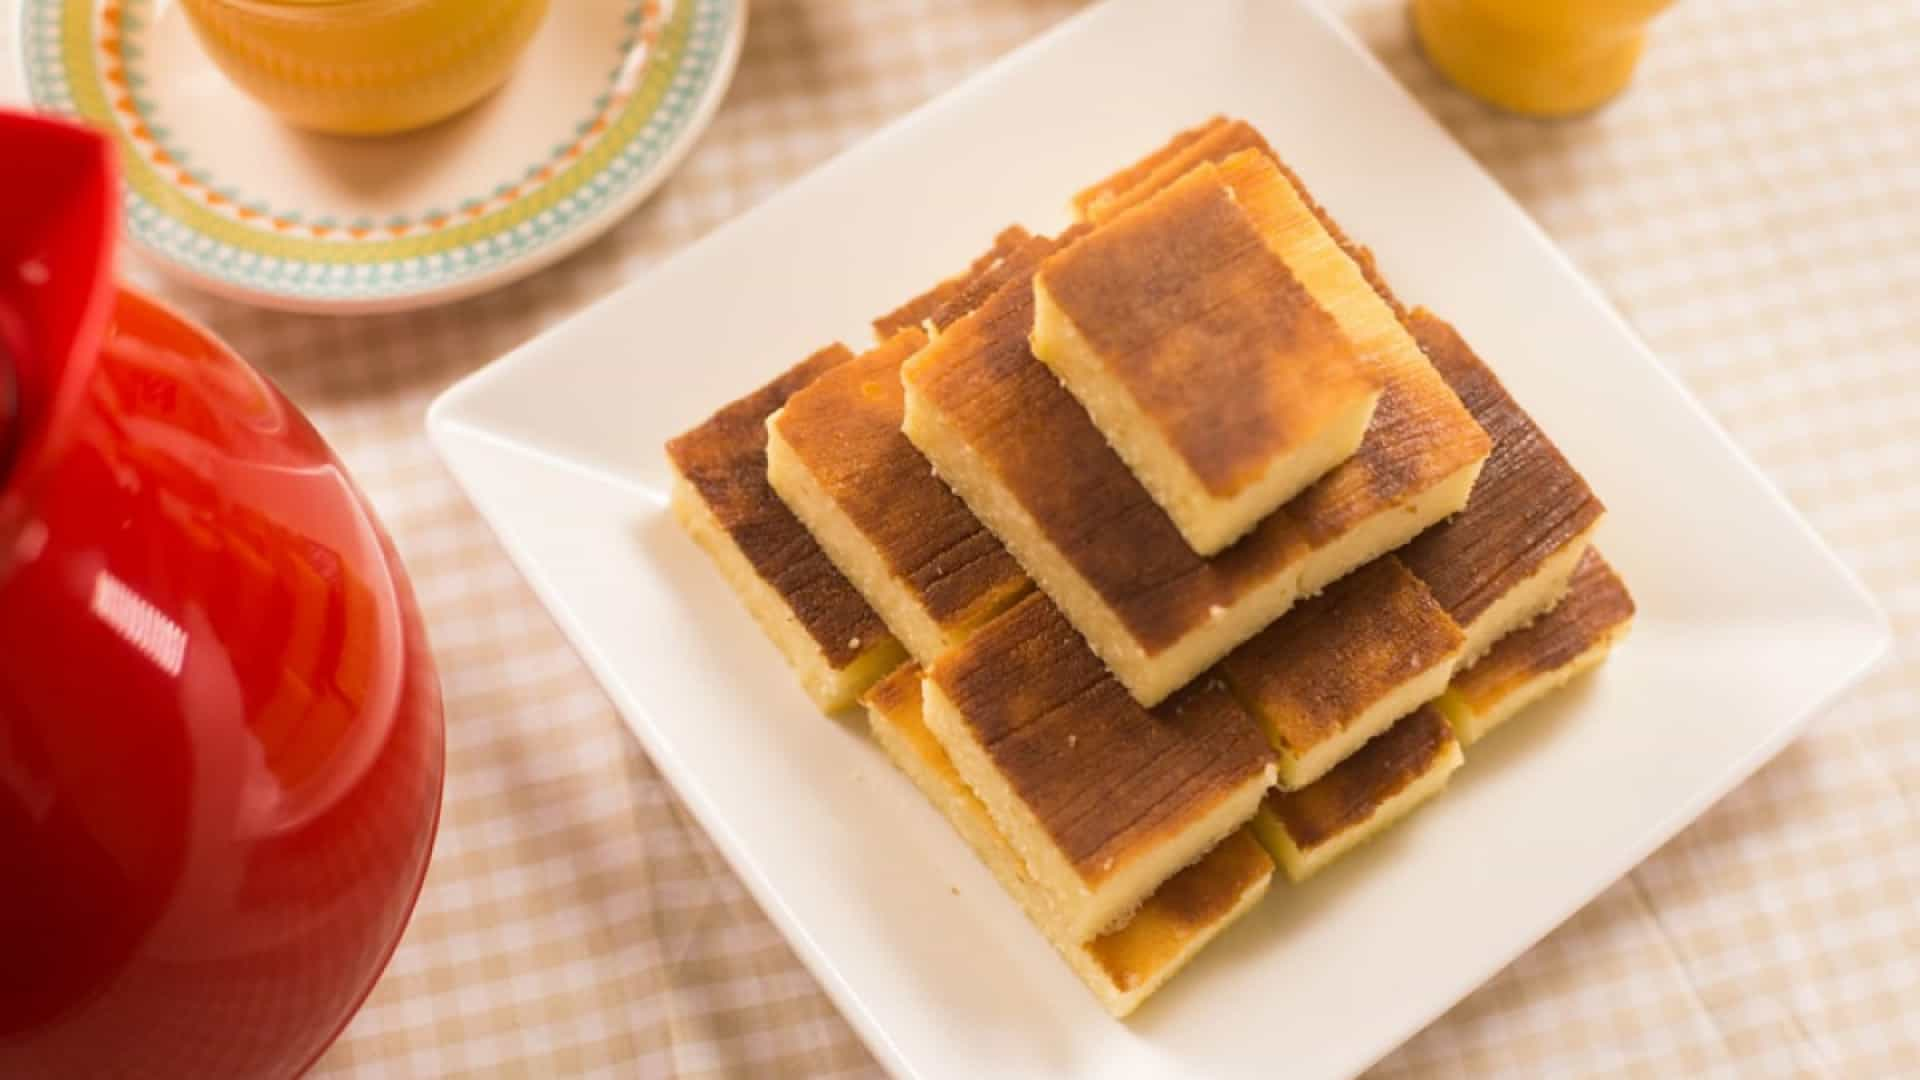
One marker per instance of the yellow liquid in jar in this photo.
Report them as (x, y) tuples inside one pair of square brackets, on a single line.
[(1539, 57), (365, 67)]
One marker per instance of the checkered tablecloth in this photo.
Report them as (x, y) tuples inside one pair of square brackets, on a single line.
[(1753, 206)]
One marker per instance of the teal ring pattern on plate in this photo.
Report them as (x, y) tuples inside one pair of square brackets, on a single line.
[(690, 82)]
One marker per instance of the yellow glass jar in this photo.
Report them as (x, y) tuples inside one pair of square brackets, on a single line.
[(365, 67), (1539, 57)]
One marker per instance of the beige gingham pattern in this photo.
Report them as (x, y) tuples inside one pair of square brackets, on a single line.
[(1753, 206)]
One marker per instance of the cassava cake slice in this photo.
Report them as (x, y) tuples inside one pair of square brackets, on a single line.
[(1537, 515), (1102, 798), (1212, 372), (836, 456), (1509, 555), (1523, 554), (833, 640), (1341, 667), (1123, 966)]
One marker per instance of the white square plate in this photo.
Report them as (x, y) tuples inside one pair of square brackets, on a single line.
[(1748, 624)]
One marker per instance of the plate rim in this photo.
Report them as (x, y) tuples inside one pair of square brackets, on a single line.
[(583, 231), (454, 433)]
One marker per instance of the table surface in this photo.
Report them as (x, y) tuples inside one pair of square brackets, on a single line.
[(1752, 206)]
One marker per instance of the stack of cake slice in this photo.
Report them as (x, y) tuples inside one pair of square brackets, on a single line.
[(1019, 448), (1183, 540)]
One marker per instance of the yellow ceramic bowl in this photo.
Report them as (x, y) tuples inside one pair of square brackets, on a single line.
[(365, 67), (1540, 57)]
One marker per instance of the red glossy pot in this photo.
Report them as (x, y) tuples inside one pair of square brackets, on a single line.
[(220, 729)]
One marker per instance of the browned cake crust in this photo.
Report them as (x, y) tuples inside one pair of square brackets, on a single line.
[(978, 280), (1017, 264), (1206, 330), (899, 690), (1105, 778), (1596, 608), (1418, 436), (1124, 964), (1528, 503), (1213, 142), (845, 430), (1045, 450), (725, 462), (1096, 198), (1216, 140), (1350, 794), (1188, 903), (1332, 657)]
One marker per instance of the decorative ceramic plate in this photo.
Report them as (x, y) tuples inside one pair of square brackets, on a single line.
[(1747, 624), (605, 102)]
